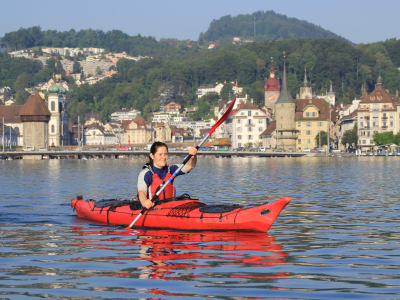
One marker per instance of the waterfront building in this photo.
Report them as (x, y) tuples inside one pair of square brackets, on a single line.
[(35, 117), (11, 117), (312, 118), (377, 113), (162, 132), (285, 108), (95, 134), (8, 136), (268, 137), (249, 121), (347, 119), (138, 131)]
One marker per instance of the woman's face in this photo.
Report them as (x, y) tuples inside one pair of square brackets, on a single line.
[(160, 158)]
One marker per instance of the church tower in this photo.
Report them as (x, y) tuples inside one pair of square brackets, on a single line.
[(58, 124), (272, 90), (306, 89), (285, 108)]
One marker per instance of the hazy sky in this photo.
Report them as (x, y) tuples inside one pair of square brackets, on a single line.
[(360, 21)]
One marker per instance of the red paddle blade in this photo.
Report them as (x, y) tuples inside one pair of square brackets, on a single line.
[(224, 116)]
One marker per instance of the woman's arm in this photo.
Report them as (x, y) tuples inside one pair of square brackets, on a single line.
[(144, 200), (192, 161)]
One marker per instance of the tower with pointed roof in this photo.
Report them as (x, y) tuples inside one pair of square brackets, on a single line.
[(285, 108), (306, 89), (272, 89), (58, 124), (35, 118)]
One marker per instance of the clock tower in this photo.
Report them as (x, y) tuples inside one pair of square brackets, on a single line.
[(272, 89)]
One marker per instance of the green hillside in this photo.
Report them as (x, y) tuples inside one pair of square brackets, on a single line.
[(262, 26)]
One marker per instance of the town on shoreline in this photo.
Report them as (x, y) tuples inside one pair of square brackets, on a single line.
[(305, 124)]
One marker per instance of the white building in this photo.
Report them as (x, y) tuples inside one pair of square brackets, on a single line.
[(95, 134), (124, 114), (248, 123)]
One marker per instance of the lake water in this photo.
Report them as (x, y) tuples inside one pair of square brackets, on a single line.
[(338, 238)]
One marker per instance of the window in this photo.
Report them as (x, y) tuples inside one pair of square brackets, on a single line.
[(308, 132), (249, 113), (320, 124), (308, 141), (361, 124), (313, 114), (249, 121), (260, 121), (239, 137), (53, 105), (391, 123), (250, 137), (52, 126), (299, 124), (238, 120), (249, 128), (260, 129), (308, 124), (299, 140)]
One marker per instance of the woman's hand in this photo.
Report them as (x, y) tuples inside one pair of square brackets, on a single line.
[(193, 151), (147, 204)]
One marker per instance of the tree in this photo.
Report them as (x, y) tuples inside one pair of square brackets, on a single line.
[(23, 81), (384, 138), (321, 139), (98, 70), (350, 137), (227, 92)]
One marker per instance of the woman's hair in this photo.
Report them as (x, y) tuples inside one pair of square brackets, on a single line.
[(153, 150)]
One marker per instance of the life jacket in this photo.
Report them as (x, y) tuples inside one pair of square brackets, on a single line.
[(157, 183)]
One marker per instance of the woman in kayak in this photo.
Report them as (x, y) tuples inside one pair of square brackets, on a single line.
[(156, 172)]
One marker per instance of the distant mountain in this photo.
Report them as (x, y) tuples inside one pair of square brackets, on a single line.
[(261, 26)]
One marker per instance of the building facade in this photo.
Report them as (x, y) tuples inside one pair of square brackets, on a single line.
[(312, 118), (377, 113)]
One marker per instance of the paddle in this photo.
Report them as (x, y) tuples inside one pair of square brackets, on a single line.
[(210, 132)]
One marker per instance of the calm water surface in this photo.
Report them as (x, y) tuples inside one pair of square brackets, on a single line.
[(338, 238)]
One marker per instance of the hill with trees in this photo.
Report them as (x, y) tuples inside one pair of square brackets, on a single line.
[(263, 26), (182, 70)]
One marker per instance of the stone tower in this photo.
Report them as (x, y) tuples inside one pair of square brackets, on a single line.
[(285, 108), (35, 118)]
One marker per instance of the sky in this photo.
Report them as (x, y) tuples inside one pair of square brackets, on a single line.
[(360, 21)]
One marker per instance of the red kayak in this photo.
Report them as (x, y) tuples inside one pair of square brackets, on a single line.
[(181, 214)]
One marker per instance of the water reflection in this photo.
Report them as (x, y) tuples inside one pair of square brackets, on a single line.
[(177, 255)]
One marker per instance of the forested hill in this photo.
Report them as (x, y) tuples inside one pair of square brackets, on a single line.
[(114, 40), (261, 26)]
